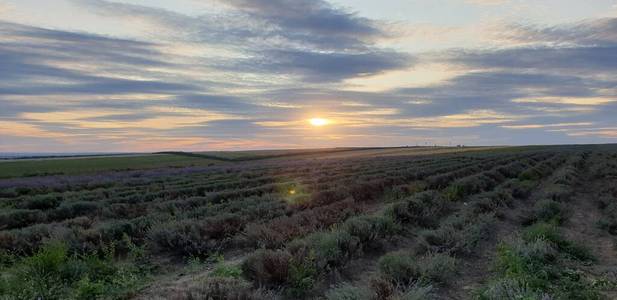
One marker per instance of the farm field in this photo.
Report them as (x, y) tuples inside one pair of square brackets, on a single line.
[(83, 165), (93, 164), (344, 223)]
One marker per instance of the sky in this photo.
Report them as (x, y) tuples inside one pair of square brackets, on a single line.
[(198, 75)]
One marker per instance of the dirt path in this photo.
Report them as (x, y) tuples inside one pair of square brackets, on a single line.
[(176, 284), (475, 270), (582, 228)]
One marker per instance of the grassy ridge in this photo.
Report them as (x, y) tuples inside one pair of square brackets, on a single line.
[(73, 166)]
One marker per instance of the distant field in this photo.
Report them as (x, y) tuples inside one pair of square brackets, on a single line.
[(282, 153), (326, 153), (86, 165), (259, 154), (83, 165)]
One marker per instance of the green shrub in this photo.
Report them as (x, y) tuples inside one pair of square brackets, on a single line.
[(437, 267), (520, 258), (548, 210), (454, 192), (192, 237), (223, 289), (51, 273), (608, 221), (477, 230), (489, 202), (521, 189), (509, 289), (422, 209), (332, 249), (418, 291), (267, 267), (457, 234), (532, 267), (532, 174), (349, 292), (42, 202), (43, 274), (302, 275), (403, 268), (444, 238), (68, 210), (7, 259), (399, 267), (468, 186), (18, 218), (542, 230), (551, 233), (227, 270), (557, 192), (86, 289), (370, 229), (25, 241), (264, 236)]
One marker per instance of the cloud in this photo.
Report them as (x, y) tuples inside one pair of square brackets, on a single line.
[(486, 2), (330, 66), (39, 61), (595, 32), (307, 38), (568, 100), (5, 8), (605, 133), (573, 78), (310, 23), (311, 17), (107, 86), (493, 89), (19, 129), (587, 58), (534, 126)]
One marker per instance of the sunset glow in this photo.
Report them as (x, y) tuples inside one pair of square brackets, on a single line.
[(318, 122)]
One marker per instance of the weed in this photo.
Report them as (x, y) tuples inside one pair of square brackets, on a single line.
[(223, 288), (51, 273), (399, 267), (349, 292), (457, 235), (418, 291), (267, 267), (87, 289), (333, 248), (510, 289), (551, 233), (369, 229), (548, 210), (302, 275), (437, 267), (530, 269), (223, 269)]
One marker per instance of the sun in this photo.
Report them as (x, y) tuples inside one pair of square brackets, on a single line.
[(318, 122)]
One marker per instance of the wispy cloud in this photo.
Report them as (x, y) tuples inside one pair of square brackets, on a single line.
[(486, 2), (535, 126)]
